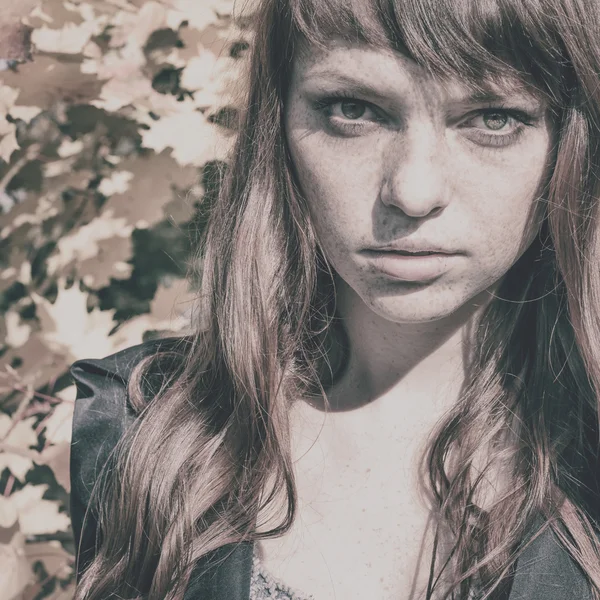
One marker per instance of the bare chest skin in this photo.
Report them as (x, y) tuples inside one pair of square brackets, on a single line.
[(363, 526)]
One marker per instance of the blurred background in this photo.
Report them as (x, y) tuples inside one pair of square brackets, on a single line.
[(116, 119)]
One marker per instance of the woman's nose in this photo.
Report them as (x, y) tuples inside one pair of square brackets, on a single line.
[(415, 176)]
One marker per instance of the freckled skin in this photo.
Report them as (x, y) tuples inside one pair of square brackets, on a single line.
[(412, 170), (419, 174)]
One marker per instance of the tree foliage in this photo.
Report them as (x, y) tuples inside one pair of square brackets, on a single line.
[(116, 118)]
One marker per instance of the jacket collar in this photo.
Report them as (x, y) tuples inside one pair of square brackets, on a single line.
[(544, 571), (223, 574)]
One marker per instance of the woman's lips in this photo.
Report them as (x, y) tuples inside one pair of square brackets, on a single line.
[(410, 267)]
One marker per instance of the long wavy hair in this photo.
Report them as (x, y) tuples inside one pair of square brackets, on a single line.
[(209, 452)]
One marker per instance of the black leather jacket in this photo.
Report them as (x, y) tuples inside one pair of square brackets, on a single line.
[(544, 572)]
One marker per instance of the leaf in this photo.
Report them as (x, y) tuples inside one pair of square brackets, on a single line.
[(26, 113), (83, 243), (69, 329), (15, 11), (117, 183), (8, 97), (15, 570), (119, 92), (69, 148), (37, 516), (215, 81), (57, 427), (8, 138), (173, 131), (8, 514), (56, 563), (71, 39), (134, 28), (57, 458), (22, 436), (198, 14), (8, 144), (56, 560), (16, 333)]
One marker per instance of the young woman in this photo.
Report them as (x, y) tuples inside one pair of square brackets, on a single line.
[(352, 419)]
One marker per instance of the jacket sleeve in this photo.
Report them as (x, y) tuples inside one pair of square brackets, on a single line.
[(101, 416), (99, 420), (545, 571)]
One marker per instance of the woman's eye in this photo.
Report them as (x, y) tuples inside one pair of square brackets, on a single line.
[(498, 127), (347, 115), (494, 121), (492, 126), (349, 109)]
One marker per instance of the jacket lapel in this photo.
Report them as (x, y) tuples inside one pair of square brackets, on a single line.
[(545, 571), (223, 574)]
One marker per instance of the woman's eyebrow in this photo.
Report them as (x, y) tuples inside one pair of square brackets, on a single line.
[(509, 92), (484, 94), (323, 77)]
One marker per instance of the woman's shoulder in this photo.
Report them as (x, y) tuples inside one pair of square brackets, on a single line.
[(119, 365), (102, 409), (102, 413), (102, 383)]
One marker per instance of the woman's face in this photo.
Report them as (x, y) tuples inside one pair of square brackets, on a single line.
[(385, 155)]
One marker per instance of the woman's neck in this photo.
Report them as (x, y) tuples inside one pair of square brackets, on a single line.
[(389, 362)]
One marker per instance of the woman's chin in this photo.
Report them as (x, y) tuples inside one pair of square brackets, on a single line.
[(425, 305)]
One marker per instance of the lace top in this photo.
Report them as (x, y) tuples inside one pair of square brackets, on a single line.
[(263, 586)]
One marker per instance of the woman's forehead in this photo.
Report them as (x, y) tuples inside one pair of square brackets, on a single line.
[(361, 64)]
